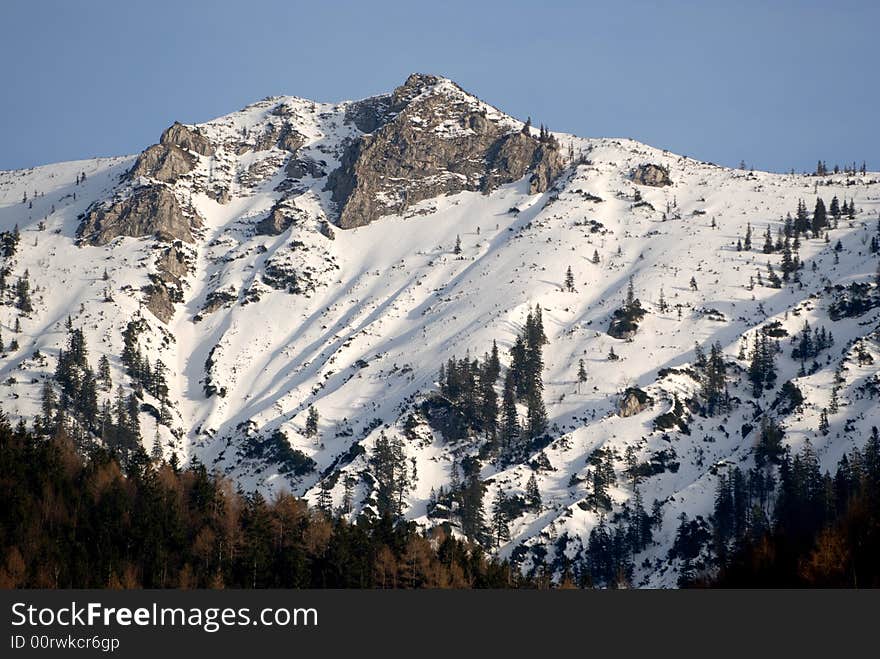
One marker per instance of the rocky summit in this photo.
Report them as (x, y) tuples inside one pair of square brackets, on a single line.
[(578, 352)]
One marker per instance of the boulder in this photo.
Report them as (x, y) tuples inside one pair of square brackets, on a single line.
[(653, 175), (633, 401), (279, 220)]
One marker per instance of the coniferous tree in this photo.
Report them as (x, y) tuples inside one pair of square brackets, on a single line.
[(581, 374), (509, 417), (820, 219), (312, 423), (834, 208), (768, 241), (500, 520), (569, 280), (104, 373), (533, 494)]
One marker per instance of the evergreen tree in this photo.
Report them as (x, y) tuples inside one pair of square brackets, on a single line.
[(581, 374), (312, 423), (533, 494), (509, 417), (834, 209), (500, 520), (457, 249), (768, 241), (23, 295), (820, 220), (104, 373), (569, 280)]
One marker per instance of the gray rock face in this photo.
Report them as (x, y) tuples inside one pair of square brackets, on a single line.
[(149, 211), (369, 114), (171, 158), (163, 163), (633, 402), (186, 138), (290, 139), (433, 142), (172, 265), (654, 175), (300, 167), (166, 287), (158, 301), (279, 220)]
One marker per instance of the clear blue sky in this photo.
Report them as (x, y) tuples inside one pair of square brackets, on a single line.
[(777, 83)]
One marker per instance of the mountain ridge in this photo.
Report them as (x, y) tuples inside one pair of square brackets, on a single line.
[(228, 259)]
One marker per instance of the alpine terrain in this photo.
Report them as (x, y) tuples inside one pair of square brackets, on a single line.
[(595, 358)]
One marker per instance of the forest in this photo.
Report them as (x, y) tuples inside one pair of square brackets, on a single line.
[(74, 521)]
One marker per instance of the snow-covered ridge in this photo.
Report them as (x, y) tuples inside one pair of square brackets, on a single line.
[(276, 309)]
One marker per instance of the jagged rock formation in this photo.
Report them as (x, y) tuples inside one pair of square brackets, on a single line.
[(163, 163), (656, 176), (186, 138), (438, 141), (172, 157), (149, 211)]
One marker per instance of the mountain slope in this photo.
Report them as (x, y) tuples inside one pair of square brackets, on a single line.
[(299, 254)]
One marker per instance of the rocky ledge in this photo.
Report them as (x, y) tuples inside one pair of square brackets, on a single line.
[(150, 211)]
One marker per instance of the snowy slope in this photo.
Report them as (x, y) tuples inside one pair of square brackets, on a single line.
[(384, 305)]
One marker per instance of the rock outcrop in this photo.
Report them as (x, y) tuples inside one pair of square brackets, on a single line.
[(166, 285), (280, 219), (431, 138), (633, 401), (173, 156), (654, 175), (149, 211), (186, 138), (299, 167), (163, 163)]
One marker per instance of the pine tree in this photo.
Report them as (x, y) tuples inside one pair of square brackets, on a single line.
[(823, 422), (104, 373), (22, 294), (156, 452), (834, 209), (581, 374), (596, 256), (533, 494), (768, 241), (509, 417), (569, 280), (457, 249), (747, 243), (312, 423), (536, 417), (500, 520), (820, 220)]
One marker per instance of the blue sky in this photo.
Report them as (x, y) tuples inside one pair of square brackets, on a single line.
[(778, 84)]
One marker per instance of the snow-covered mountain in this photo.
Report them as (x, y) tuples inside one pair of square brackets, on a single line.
[(297, 254)]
